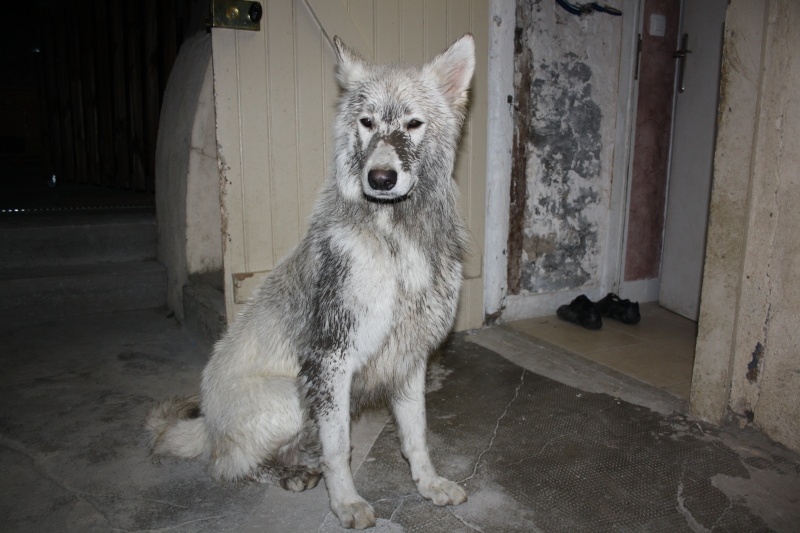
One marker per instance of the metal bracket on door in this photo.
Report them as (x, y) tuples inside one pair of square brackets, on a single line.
[(236, 14), (681, 56)]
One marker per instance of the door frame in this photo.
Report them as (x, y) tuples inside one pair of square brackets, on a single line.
[(627, 103)]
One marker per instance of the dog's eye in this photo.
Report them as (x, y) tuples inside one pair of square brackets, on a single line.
[(413, 124), (366, 122)]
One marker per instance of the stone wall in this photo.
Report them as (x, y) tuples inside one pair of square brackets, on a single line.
[(748, 348)]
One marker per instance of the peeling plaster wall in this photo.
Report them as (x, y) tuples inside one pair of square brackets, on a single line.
[(570, 108), (751, 276)]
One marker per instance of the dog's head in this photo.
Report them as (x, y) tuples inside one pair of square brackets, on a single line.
[(393, 120)]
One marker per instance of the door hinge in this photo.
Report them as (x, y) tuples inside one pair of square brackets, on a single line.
[(638, 56), (235, 14)]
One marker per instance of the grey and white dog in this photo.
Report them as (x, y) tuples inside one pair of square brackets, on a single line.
[(352, 314)]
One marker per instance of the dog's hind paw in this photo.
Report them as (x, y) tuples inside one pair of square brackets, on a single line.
[(442, 491), (301, 480), (357, 514), (295, 478)]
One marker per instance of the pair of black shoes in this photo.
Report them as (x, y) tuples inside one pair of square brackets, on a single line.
[(584, 312)]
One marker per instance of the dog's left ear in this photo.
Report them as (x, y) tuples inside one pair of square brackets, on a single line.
[(453, 68), (351, 68)]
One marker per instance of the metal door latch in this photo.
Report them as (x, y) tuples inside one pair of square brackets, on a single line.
[(236, 14)]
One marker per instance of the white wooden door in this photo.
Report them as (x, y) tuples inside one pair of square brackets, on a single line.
[(275, 97), (692, 159)]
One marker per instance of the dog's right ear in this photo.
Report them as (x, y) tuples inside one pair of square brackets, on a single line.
[(351, 68)]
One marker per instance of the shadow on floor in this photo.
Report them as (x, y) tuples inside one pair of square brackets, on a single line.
[(535, 454)]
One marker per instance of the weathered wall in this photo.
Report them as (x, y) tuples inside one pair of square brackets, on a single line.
[(187, 178), (766, 365), (741, 59), (748, 349), (203, 221), (567, 70)]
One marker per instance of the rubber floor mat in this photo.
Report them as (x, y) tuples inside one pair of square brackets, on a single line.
[(537, 455)]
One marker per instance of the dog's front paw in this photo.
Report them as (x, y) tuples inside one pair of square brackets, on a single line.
[(442, 491), (356, 514)]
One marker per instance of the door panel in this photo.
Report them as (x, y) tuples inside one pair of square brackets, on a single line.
[(275, 98), (692, 159)]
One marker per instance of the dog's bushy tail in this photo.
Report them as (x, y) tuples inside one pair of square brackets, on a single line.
[(176, 428)]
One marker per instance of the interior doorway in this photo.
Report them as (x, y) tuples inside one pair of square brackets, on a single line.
[(679, 55)]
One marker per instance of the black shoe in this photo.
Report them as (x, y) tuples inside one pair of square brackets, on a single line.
[(582, 312), (625, 311)]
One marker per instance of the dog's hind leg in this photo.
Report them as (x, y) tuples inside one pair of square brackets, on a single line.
[(295, 478), (295, 466), (409, 412)]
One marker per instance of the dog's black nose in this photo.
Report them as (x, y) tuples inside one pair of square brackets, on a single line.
[(382, 179)]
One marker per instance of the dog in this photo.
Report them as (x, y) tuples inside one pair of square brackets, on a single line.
[(351, 316)]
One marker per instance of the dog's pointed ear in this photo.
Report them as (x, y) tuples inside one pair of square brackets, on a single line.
[(454, 68), (351, 68)]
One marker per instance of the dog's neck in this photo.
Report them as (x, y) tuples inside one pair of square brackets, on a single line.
[(430, 217)]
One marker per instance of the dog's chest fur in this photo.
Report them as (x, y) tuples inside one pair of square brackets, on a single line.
[(401, 299)]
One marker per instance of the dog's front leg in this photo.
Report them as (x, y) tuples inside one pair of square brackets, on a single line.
[(332, 410), (409, 411)]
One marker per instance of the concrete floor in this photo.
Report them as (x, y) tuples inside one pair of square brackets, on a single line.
[(542, 440)]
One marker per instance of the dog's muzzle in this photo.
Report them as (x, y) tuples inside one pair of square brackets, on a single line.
[(387, 173), (382, 179)]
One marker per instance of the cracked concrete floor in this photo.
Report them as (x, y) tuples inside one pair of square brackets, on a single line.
[(543, 443)]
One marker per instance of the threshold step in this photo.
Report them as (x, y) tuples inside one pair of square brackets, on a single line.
[(45, 240), (44, 293)]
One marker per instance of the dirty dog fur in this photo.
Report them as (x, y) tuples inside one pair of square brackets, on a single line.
[(352, 314)]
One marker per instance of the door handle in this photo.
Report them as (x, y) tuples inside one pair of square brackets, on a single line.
[(681, 55)]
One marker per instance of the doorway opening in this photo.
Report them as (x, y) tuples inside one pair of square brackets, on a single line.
[(80, 102), (669, 186)]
